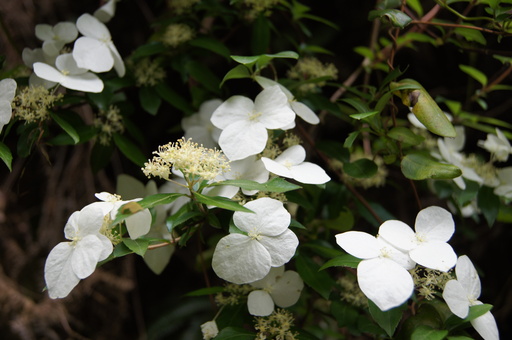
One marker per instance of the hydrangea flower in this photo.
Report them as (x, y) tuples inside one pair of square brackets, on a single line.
[(290, 164), (264, 242), (68, 74), (427, 246), (7, 93), (250, 168), (300, 109), (199, 126), (383, 274), (464, 292), (70, 262), (209, 330), (95, 51), (279, 287), (244, 123), (55, 37), (498, 145), (32, 56)]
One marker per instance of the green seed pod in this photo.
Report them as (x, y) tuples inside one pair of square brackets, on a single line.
[(424, 108)]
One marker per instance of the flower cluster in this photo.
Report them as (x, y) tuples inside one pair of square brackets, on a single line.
[(148, 72), (177, 34), (32, 103), (109, 122), (311, 68)]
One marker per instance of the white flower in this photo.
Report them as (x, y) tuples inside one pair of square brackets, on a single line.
[(106, 12), (69, 75), (382, 275), (137, 224), (7, 93), (244, 123), (279, 287), (131, 188), (450, 151), (69, 262), (504, 189), (54, 38), (498, 145), (199, 126), (250, 168), (427, 246), (290, 164), (32, 56), (302, 110), (95, 51), (209, 330), (266, 242), (464, 292)]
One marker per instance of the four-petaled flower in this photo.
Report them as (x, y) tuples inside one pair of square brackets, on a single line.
[(279, 287), (54, 38), (244, 123), (382, 275), (264, 242), (427, 246), (498, 145), (464, 292)]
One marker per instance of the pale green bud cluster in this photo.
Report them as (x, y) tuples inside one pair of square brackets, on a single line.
[(351, 293), (233, 294), (181, 6), (255, 7), (148, 72), (33, 102), (428, 281), (311, 68), (276, 326), (109, 122), (177, 34)]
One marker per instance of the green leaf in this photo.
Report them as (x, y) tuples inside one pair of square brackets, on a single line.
[(210, 44), (138, 246), (121, 250), (474, 73), (349, 141), (180, 217), (363, 115), (416, 6), (405, 135), (360, 106), (471, 34), (419, 166), (345, 314), (320, 281), (276, 184), (235, 333), (66, 126), (361, 168), (239, 72), (221, 202), (345, 260), (477, 311), (260, 35), (173, 98), (148, 49), (129, 149), (6, 155), (387, 320), (204, 76), (428, 333), (395, 17), (149, 100), (206, 291), (489, 204)]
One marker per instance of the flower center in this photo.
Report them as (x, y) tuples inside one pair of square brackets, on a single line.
[(254, 234), (253, 116)]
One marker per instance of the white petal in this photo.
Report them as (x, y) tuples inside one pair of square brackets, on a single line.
[(281, 248), (157, 259), (486, 326), (92, 27), (304, 112), (7, 89), (87, 82), (392, 253), (92, 216), (265, 82), (30, 56), (86, 256), (93, 55), (47, 72), (72, 227), (232, 110), (270, 279), (5, 113), (434, 255), (272, 103), (240, 260), (44, 32), (106, 12), (260, 303), (384, 282), (243, 139), (435, 223), (468, 276), (398, 234), (270, 218), (456, 298), (286, 292), (118, 61), (66, 31), (138, 224), (58, 273), (67, 64), (294, 155), (359, 244), (309, 173), (276, 168)]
